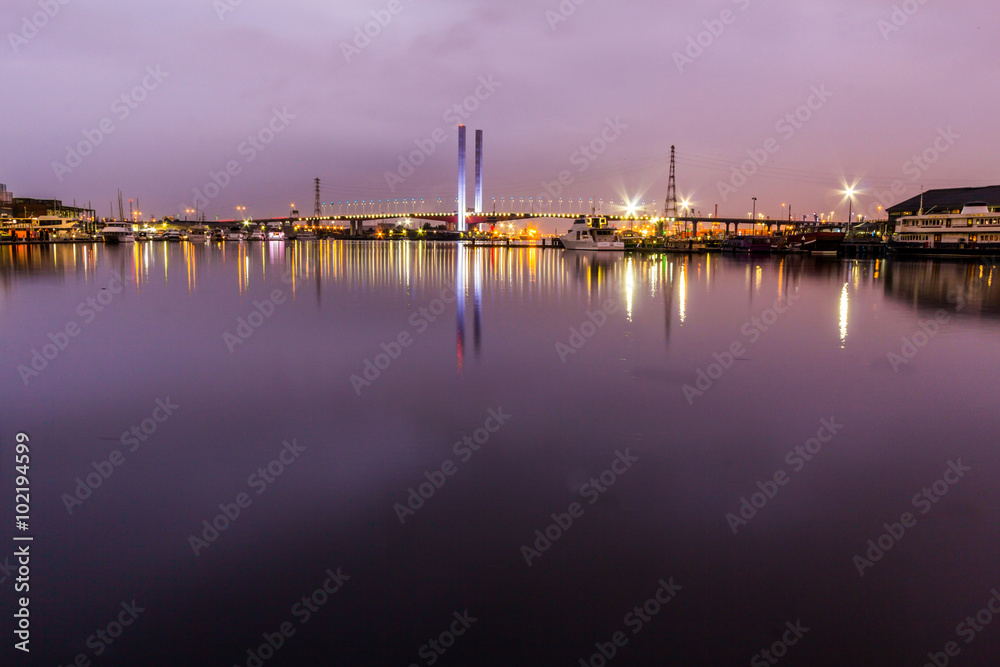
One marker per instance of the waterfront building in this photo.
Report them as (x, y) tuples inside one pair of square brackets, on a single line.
[(945, 201), (6, 202)]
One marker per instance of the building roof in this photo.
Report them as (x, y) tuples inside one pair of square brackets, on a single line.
[(949, 199)]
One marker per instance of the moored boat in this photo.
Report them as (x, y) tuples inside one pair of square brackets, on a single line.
[(592, 233), (198, 234), (118, 233), (274, 232), (973, 232), (824, 241)]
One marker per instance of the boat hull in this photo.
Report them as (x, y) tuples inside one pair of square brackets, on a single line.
[(943, 250), (581, 245)]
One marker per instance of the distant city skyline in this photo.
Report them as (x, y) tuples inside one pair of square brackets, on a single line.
[(249, 101)]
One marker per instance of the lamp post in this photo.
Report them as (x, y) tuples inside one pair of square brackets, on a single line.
[(850, 206), (754, 216)]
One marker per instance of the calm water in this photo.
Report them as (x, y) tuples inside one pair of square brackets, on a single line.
[(502, 400)]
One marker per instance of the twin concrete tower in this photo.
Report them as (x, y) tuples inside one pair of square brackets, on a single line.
[(478, 208)]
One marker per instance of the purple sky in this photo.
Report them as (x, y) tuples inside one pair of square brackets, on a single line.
[(891, 95)]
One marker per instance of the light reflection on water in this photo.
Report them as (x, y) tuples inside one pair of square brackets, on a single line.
[(496, 346)]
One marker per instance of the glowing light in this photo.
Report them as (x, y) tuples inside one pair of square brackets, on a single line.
[(629, 289), (682, 293), (843, 316)]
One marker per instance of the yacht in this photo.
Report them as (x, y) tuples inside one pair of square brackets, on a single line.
[(56, 228), (256, 235), (118, 233), (235, 234), (172, 235), (974, 231), (274, 232), (822, 240), (592, 233), (198, 234), (218, 234), (305, 235)]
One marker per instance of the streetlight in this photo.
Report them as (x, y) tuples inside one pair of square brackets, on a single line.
[(754, 230), (850, 205)]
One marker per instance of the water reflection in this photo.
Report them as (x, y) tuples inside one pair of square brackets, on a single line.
[(621, 388), (588, 278), (843, 316)]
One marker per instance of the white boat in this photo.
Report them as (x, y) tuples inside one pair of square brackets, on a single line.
[(235, 235), (172, 235), (974, 231), (54, 227), (118, 233), (274, 232), (198, 234), (257, 235), (305, 235), (592, 233)]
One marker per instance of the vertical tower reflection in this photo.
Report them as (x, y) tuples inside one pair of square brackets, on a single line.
[(478, 300), (460, 274)]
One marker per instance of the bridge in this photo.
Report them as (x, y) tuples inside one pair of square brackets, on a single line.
[(480, 219)]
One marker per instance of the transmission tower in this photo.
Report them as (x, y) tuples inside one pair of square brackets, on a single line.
[(317, 209), (670, 209)]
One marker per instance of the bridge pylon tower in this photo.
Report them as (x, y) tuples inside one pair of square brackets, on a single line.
[(670, 208)]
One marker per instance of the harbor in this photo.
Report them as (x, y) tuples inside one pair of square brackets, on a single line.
[(945, 223), (478, 334)]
